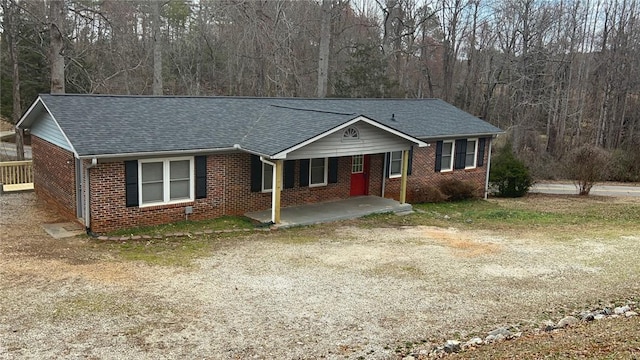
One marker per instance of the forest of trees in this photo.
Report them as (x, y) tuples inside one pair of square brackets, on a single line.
[(554, 74)]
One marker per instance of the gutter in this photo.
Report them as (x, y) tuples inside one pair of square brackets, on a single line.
[(458, 136), (87, 196), (273, 188), (235, 147)]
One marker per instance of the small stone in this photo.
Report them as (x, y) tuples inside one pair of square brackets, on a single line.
[(473, 342), (103, 238), (468, 221), (136, 237), (548, 325), (599, 316), (209, 231), (408, 357), (447, 217), (500, 331), (588, 316), (452, 346), (146, 237), (621, 310), (606, 311), (490, 338), (630, 313), (567, 321), (500, 337), (517, 335)]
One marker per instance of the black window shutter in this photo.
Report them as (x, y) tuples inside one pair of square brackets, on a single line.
[(410, 167), (333, 170), (256, 174), (304, 172), (461, 154), (131, 182), (480, 160), (439, 156), (289, 173), (201, 177)]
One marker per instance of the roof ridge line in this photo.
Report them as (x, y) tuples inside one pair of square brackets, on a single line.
[(312, 110)]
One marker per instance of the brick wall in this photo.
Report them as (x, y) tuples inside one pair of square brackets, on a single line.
[(229, 189), (54, 176), (228, 193), (423, 173)]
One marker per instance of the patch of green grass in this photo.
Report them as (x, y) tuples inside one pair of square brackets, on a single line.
[(220, 223), (91, 304), (172, 251), (561, 218)]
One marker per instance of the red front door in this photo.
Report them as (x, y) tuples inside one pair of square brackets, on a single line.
[(359, 175)]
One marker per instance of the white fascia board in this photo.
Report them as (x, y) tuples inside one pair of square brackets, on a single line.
[(28, 112), (283, 154)]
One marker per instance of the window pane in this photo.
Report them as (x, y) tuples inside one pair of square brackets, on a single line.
[(151, 172), (395, 165), (471, 154), (179, 169), (152, 192), (357, 164), (317, 162), (446, 155), (267, 176), (317, 171), (179, 189)]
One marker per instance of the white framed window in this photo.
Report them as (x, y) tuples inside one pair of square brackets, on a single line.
[(267, 177), (165, 181), (395, 164), (357, 164), (447, 156), (471, 154), (318, 172)]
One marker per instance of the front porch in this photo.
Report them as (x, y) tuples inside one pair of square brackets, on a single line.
[(329, 211)]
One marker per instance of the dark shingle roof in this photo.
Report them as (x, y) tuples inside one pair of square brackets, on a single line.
[(105, 124)]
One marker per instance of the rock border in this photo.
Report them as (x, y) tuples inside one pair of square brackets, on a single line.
[(177, 234), (505, 333)]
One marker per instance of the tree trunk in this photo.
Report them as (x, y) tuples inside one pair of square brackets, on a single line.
[(9, 8), (157, 49), (57, 13), (323, 58)]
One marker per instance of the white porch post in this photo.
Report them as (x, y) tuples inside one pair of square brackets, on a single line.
[(403, 180), (277, 189)]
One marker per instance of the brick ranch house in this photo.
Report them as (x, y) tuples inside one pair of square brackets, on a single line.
[(115, 162)]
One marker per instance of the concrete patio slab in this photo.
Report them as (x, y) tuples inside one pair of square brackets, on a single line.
[(63, 230), (329, 211)]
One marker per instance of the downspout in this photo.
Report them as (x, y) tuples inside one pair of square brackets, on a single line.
[(384, 174), (87, 197), (486, 184), (273, 187)]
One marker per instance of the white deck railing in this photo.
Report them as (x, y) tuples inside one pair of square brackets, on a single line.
[(16, 175)]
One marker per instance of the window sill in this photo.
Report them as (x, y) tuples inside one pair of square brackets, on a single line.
[(317, 185), (167, 205), (398, 176)]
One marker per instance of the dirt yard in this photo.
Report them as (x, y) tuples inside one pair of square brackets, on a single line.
[(337, 291)]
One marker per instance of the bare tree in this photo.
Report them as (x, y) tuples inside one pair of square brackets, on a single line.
[(157, 48), (323, 56), (10, 10), (57, 14)]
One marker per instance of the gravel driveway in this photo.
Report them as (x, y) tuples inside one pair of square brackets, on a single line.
[(334, 292)]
